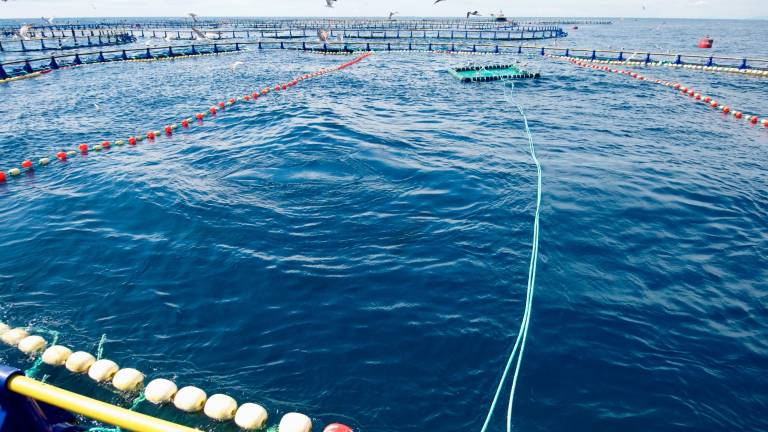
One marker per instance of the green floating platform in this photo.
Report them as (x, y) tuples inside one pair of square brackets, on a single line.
[(490, 73)]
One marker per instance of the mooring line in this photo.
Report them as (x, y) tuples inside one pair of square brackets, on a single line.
[(523, 332)]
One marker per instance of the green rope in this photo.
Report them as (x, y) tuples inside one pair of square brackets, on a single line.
[(100, 349)]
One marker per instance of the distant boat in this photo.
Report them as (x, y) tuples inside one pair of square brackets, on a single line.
[(500, 17)]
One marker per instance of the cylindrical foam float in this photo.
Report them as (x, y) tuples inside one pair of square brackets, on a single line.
[(132, 141), (83, 148), (2, 177), (160, 391), (251, 416), (295, 422), (44, 161), (79, 362), (190, 399), (27, 164), (220, 407), (14, 336), (128, 379), (32, 344), (56, 355), (103, 370), (61, 155)]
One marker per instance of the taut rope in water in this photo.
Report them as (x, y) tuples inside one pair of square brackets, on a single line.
[(523, 332)]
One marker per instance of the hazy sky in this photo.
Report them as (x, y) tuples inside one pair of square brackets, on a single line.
[(627, 8)]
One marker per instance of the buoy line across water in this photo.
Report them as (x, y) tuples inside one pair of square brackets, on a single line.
[(685, 91), (159, 391), (522, 334), (169, 130)]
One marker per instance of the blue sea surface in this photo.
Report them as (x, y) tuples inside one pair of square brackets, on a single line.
[(356, 248)]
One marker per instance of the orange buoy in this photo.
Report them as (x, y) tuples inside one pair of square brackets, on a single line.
[(246, 97), (726, 109), (132, 140), (706, 42), (83, 148), (337, 427), (714, 104), (61, 155)]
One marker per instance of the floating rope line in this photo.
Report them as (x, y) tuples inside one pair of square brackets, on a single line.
[(128, 381), (523, 332), (686, 91), (169, 130), (677, 64)]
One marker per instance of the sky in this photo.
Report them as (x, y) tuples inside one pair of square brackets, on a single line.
[(516, 8)]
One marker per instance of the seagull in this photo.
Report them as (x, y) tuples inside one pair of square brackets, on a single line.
[(322, 35), (167, 39), (234, 65), (329, 3), (391, 14), (193, 15), (49, 20), (199, 35), (438, 1), (24, 30), (475, 13)]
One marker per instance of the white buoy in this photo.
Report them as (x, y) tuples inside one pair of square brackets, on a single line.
[(103, 370), (32, 344), (251, 416), (160, 391), (128, 379), (190, 399), (14, 336), (79, 362), (56, 355), (220, 407), (295, 422)]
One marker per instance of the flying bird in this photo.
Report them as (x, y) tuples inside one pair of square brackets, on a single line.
[(322, 35), (234, 65), (329, 3), (49, 20), (24, 30), (438, 1), (391, 14), (199, 35), (475, 13), (167, 38), (193, 15)]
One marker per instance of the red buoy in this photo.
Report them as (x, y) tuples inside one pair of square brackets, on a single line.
[(105, 144), (255, 95), (246, 97), (277, 88), (714, 104), (132, 141), (222, 104), (753, 120), (83, 148), (337, 427), (726, 109), (706, 42), (61, 155), (213, 110), (231, 100), (151, 135), (199, 116), (168, 130), (2, 177), (738, 114), (184, 123), (765, 122), (27, 164)]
